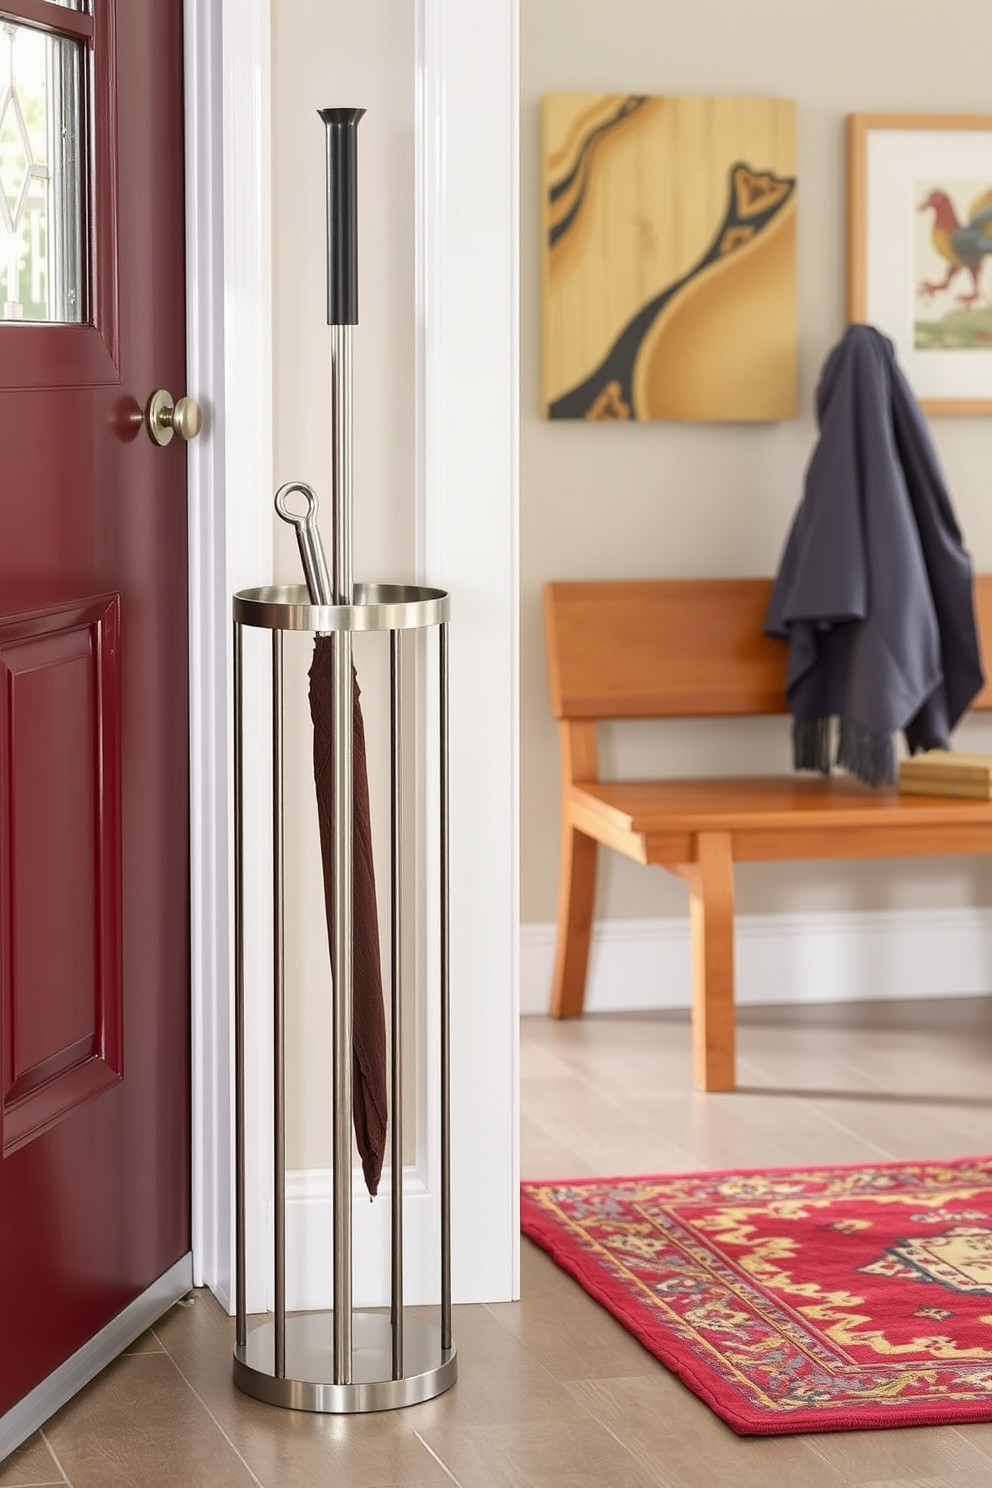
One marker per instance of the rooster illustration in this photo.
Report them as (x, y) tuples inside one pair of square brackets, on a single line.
[(963, 244)]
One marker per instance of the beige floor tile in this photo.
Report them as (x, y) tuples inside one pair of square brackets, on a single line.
[(567, 1099), (543, 1156), (911, 1483), (539, 1059), (643, 1048), (664, 1425), (906, 1131), (746, 1130), (943, 1453), (572, 1336), (899, 1048), (138, 1425), (792, 1051), (954, 1069), (284, 1448), (950, 1085), (949, 1020), (980, 1437), (652, 1066), (30, 1466), (788, 1069), (622, 1145), (873, 1040), (146, 1344), (500, 1381), (538, 1273), (541, 1454)]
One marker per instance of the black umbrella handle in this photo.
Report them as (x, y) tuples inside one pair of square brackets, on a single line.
[(341, 125)]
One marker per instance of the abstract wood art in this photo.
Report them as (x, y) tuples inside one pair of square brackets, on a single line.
[(668, 257)]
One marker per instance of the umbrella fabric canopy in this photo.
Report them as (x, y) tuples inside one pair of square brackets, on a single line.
[(369, 1022)]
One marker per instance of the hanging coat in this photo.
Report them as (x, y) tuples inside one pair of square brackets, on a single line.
[(874, 593)]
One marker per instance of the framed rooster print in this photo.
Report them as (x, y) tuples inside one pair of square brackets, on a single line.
[(668, 257), (920, 249)]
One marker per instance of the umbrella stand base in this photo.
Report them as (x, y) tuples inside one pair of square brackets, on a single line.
[(429, 1369)]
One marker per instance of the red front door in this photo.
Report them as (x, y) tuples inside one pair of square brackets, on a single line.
[(94, 937)]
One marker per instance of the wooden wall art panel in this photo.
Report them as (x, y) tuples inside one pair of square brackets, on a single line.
[(668, 257)]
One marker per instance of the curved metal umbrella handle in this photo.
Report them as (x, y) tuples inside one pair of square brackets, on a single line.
[(308, 539)]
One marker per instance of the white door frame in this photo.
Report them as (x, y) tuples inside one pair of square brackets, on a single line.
[(467, 519), (230, 539)]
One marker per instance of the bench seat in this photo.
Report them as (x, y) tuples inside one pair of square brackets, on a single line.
[(657, 821)]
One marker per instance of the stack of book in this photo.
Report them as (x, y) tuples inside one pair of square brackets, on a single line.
[(943, 772)]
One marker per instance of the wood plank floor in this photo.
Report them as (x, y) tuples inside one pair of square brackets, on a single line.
[(552, 1393)]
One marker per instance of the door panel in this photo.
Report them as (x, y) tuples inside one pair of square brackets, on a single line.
[(60, 993), (94, 844)]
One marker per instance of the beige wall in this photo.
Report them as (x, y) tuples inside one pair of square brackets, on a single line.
[(617, 500), (339, 55)]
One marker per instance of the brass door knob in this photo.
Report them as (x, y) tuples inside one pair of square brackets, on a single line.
[(165, 418)]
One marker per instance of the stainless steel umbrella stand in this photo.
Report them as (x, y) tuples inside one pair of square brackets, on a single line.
[(341, 1361)]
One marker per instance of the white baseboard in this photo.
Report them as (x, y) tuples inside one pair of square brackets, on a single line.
[(638, 965)]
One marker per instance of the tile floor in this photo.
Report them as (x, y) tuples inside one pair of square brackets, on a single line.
[(553, 1393)]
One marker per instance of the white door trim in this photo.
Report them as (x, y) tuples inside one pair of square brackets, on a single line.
[(230, 536), (467, 423), (467, 511)]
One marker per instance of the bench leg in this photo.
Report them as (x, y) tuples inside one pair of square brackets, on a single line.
[(711, 883), (576, 891)]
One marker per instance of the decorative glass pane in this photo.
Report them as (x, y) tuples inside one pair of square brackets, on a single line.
[(42, 265)]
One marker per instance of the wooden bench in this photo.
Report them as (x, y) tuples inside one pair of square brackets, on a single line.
[(694, 649)]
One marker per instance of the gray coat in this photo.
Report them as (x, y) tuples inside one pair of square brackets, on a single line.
[(874, 590)]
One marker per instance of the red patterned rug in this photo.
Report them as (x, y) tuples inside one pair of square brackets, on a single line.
[(795, 1299)]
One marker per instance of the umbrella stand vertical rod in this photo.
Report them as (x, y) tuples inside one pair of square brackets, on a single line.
[(278, 1005), (396, 994), (445, 996), (341, 125), (342, 959), (239, 990)]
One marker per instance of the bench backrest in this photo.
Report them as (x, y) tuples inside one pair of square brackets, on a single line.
[(677, 648)]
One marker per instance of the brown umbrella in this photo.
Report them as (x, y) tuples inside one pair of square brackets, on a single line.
[(369, 1081)]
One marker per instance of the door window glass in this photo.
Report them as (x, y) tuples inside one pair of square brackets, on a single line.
[(42, 242)]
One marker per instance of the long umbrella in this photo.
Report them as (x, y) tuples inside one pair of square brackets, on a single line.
[(369, 1083), (340, 770)]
